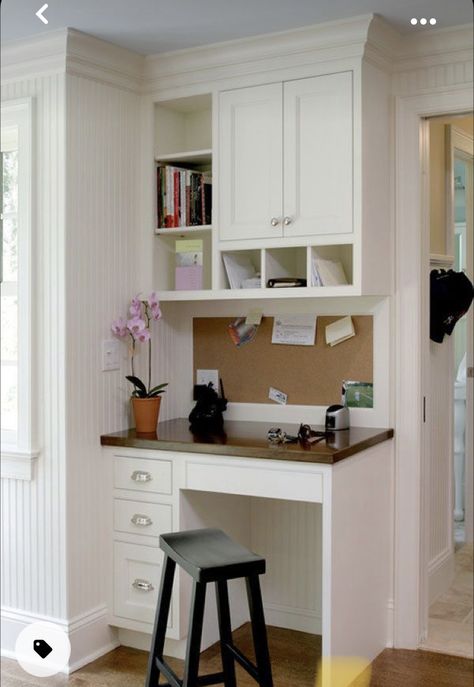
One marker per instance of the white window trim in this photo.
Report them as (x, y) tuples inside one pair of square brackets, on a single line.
[(18, 458)]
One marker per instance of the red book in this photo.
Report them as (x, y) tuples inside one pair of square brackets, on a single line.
[(176, 199)]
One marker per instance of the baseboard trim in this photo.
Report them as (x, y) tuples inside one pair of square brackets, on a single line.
[(90, 634), (440, 574), (293, 618), (141, 640)]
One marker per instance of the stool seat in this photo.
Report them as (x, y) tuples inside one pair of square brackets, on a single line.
[(209, 555)]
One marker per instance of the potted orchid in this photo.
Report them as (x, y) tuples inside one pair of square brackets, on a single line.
[(146, 400)]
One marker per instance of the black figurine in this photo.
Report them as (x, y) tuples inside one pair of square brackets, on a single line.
[(206, 416)]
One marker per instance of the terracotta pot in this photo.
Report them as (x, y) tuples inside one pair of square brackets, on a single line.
[(146, 412)]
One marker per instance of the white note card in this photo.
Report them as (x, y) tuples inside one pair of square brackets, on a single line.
[(294, 330), (339, 331), (277, 396)]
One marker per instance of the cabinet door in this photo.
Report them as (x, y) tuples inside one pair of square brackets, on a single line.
[(318, 156), (250, 163)]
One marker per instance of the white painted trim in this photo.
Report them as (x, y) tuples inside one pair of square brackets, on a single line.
[(19, 113), (411, 343), (68, 50), (18, 464), (89, 633), (438, 260)]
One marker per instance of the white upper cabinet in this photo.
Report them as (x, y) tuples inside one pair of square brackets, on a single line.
[(250, 162), (286, 159), (318, 164)]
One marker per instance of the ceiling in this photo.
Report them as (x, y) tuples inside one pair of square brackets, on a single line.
[(152, 26)]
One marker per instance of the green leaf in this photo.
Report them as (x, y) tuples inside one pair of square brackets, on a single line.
[(157, 389), (138, 384)]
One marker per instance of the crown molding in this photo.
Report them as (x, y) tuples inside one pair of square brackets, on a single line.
[(37, 56), (102, 61), (73, 52), (437, 46), (313, 44)]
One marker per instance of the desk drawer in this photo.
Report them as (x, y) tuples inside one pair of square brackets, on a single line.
[(141, 474), (139, 517), (137, 581)]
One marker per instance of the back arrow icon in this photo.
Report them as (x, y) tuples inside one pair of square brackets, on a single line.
[(39, 13)]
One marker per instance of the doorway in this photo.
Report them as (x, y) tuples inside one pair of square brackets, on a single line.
[(449, 457)]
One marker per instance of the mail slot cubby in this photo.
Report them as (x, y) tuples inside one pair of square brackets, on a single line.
[(238, 265), (334, 264), (287, 263)]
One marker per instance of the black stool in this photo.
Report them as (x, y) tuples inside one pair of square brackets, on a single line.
[(209, 556)]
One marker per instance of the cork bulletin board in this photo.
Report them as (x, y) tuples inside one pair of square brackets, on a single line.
[(309, 375)]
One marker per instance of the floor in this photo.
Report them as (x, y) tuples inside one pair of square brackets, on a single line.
[(294, 659), (450, 624)]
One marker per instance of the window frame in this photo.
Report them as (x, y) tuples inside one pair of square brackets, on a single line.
[(19, 113)]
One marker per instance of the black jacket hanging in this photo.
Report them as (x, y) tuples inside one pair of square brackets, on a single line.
[(451, 295)]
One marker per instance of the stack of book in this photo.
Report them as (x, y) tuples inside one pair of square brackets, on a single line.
[(184, 197)]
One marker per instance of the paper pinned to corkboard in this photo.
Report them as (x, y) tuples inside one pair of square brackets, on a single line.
[(310, 375)]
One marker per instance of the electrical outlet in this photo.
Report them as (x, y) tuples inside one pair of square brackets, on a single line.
[(208, 376), (110, 355)]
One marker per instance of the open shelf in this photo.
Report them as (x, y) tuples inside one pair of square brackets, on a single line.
[(184, 231), (183, 128), (165, 260), (340, 255), (200, 158)]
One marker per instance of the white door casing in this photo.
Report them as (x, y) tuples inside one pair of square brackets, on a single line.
[(411, 341)]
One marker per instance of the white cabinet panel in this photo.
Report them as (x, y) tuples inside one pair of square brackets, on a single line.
[(250, 145), (137, 581), (140, 517), (140, 474), (318, 155)]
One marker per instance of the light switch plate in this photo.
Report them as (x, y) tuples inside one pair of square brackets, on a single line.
[(208, 376), (110, 355)]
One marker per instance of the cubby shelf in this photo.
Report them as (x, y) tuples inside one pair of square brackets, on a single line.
[(191, 157), (182, 231), (253, 294)]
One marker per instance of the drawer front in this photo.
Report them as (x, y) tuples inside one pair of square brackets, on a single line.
[(139, 517), (140, 474), (137, 571)]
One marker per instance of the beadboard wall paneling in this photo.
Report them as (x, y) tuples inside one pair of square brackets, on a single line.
[(441, 464), (103, 244), (288, 535), (33, 560)]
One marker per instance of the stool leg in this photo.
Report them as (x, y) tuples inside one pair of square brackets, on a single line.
[(161, 621), (225, 632), (259, 631), (191, 667)]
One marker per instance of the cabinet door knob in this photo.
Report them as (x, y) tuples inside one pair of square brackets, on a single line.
[(143, 585), (141, 476), (274, 221), (141, 520), (287, 221)]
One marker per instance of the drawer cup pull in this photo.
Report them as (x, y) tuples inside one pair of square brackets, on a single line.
[(143, 585), (141, 476), (141, 520)]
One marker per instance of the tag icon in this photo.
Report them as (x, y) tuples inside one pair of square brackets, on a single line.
[(42, 648)]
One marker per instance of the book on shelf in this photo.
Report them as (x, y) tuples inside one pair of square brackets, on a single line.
[(188, 270), (184, 197)]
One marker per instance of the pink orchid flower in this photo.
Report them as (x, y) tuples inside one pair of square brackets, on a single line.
[(143, 336), (136, 325), (135, 307), (119, 327), (155, 311)]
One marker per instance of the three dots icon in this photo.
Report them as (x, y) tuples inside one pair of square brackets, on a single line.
[(423, 21)]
